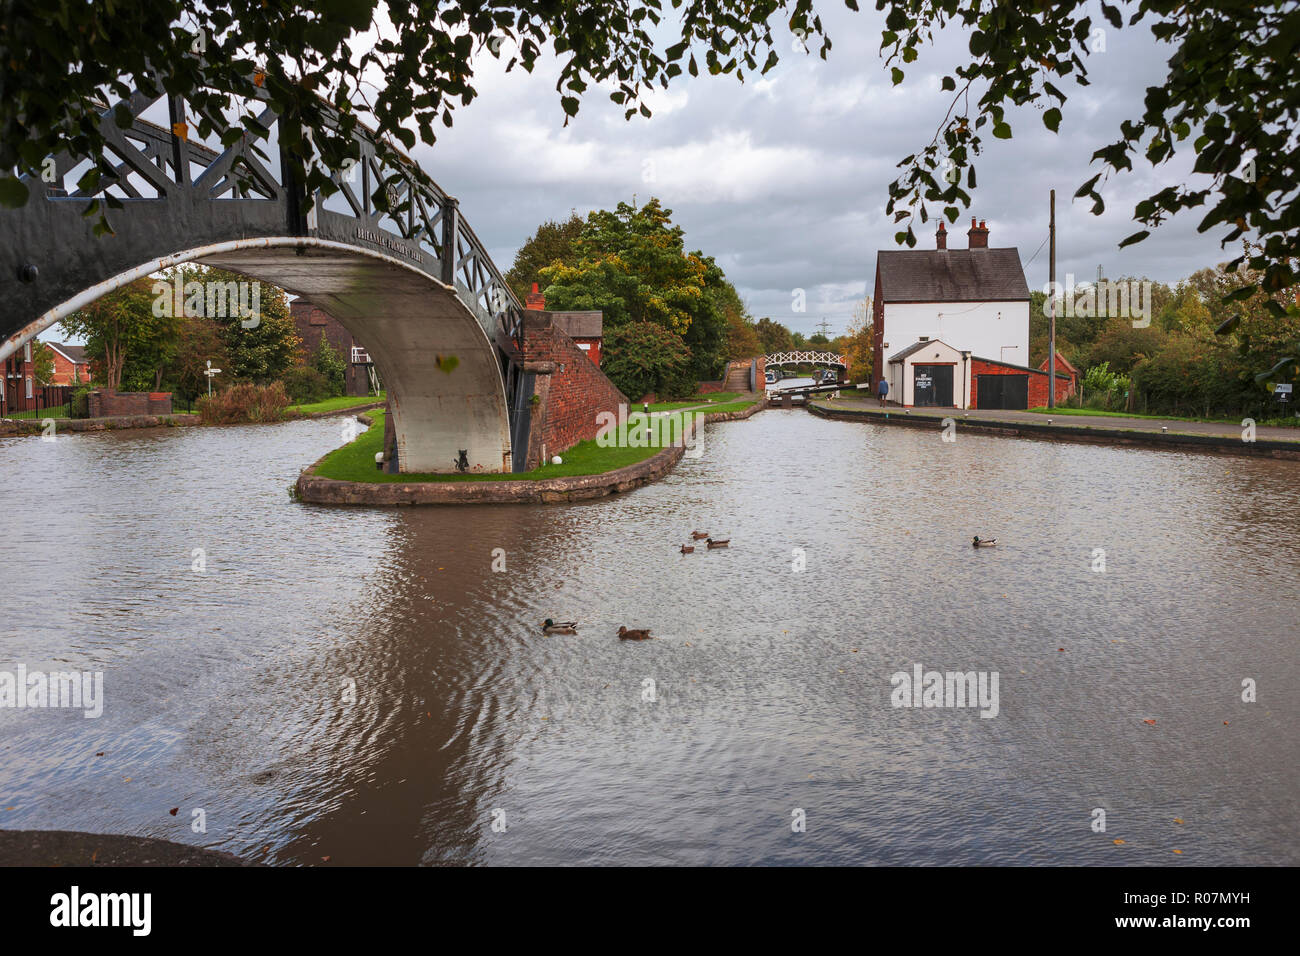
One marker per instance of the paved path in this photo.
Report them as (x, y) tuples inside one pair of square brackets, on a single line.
[(1098, 422)]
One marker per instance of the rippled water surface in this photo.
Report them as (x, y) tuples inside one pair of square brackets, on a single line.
[(228, 689)]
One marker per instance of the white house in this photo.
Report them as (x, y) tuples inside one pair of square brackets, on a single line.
[(974, 300)]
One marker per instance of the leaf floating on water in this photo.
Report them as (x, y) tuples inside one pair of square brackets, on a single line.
[(1149, 721), (1176, 820), (100, 754), (1119, 842), (324, 859), (174, 810), (1179, 852)]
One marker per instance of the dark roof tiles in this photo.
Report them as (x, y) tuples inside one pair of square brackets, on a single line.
[(951, 275)]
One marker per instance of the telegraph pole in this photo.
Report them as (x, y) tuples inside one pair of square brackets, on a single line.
[(1051, 322)]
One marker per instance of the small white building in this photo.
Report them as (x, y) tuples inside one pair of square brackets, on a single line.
[(930, 373), (975, 300)]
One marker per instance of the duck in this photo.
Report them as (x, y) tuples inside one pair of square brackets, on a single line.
[(624, 634), (721, 543), (563, 627), (697, 535), (979, 542), (688, 549)]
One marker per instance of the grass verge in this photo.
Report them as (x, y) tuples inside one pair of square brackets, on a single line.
[(1098, 413), (56, 411), (356, 460), (336, 404)]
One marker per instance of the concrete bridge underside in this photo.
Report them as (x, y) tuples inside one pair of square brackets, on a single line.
[(407, 321)]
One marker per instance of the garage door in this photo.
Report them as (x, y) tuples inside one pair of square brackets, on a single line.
[(1002, 391), (932, 385)]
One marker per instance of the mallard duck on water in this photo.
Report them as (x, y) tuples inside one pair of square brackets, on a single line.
[(688, 549), (697, 535), (979, 542), (562, 627), (721, 543), (624, 634)]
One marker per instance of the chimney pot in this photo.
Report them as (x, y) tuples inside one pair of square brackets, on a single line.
[(536, 301)]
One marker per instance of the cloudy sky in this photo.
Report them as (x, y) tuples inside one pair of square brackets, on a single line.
[(784, 179)]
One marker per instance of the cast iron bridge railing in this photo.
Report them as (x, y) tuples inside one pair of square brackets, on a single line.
[(211, 194), (806, 358)]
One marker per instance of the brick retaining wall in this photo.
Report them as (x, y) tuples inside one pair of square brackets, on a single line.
[(571, 390), (107, 403)]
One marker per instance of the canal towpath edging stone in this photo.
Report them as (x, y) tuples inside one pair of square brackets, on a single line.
[(1058, 431), (314, 489), (36, 426)]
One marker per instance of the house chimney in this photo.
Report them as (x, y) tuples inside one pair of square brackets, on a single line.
[(978, 235), (941, 237), (536, 301)]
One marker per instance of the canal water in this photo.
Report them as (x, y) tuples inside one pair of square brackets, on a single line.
[(369, 686)]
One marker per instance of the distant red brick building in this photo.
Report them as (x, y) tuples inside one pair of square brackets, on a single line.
[(19, 393), (1063, 365), (313, 324), (70, 364)]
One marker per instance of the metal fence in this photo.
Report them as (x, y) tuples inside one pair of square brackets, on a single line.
[(44, 399)]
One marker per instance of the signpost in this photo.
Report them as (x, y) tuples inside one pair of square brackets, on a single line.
[(209, 372), (1282, 393)]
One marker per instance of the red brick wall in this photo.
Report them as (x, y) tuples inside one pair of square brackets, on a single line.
[(103, 403), (16, 372), (572, 394), (1069, 370), (1037, 382)]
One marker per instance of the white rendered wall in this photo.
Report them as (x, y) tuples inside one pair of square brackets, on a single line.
[(974, 327)]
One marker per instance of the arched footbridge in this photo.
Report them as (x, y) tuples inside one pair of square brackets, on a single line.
[(806, 358), (415, 285)]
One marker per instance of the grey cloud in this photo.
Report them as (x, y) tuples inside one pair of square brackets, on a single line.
[(784, 179)]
